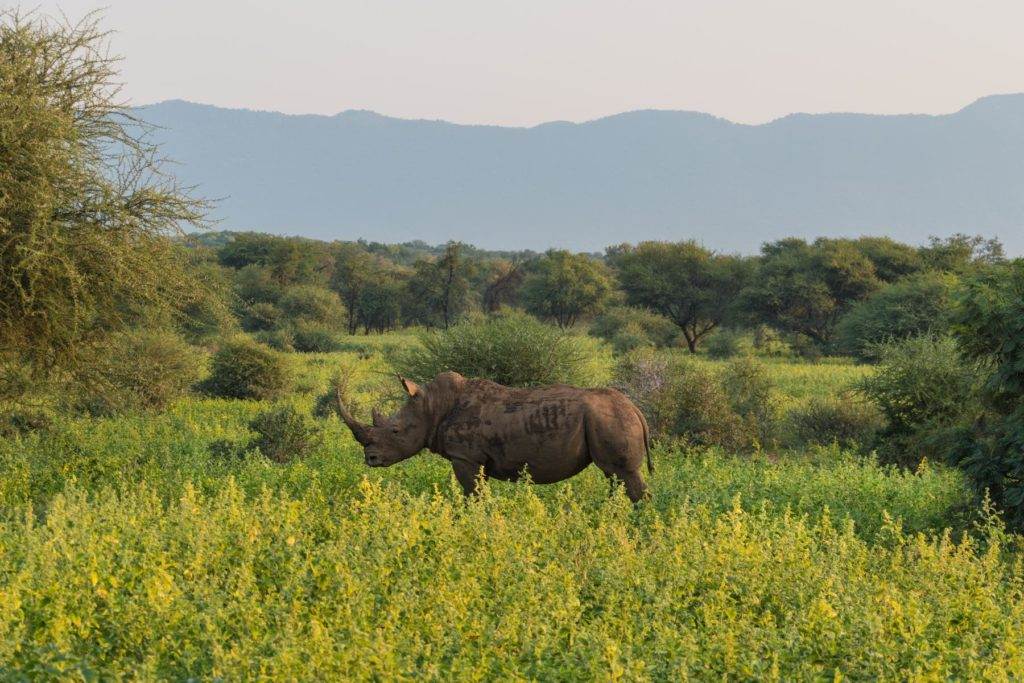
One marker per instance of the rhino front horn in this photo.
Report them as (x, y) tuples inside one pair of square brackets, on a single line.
[(359, 431)]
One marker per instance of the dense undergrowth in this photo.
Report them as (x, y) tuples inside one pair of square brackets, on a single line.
[(166, 546), (383, 584)]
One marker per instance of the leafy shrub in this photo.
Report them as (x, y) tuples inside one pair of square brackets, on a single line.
[(281, 339), (140, 370), (704, 416), (989, 324), (260, 316), (284, 434), (908, 308), (680, 399), (254, 283), (312, 304), (647, 378), (841, 420), (806, 347), (511, 348), (727, 343), (313, 338), (751, 395), (243, 369), (924, 389), (635, 322), (630, 337)]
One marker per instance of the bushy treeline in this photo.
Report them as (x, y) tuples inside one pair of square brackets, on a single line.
[(300, 293), (826, 296)]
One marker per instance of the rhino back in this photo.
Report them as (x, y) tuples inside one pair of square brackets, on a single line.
[(505, 429)]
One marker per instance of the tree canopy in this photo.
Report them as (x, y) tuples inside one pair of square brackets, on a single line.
[(989, 325), (85, 208), (354, 269), (805, 288), (688, 284), (916, 305), (563, 287), (438, 291)]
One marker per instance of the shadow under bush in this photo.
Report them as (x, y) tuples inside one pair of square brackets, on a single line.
[(314, 338), (842, 420)]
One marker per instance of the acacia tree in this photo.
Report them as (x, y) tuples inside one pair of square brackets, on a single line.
[(438, 291), (354, 269), (805, 288), (688, 284), (85, 210), (563, 287), (380, 302)]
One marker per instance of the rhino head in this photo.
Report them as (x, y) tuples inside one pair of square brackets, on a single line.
[(404, 434)]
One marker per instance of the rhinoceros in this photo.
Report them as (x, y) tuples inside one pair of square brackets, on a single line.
[(551, 432)]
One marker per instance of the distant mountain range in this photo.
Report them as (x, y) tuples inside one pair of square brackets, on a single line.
[(624, 178)]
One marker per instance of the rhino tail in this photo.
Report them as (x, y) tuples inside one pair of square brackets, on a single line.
[(647, 441)]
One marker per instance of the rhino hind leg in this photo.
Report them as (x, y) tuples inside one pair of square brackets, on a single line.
[(636, 487), (633, 482), (618, 447)]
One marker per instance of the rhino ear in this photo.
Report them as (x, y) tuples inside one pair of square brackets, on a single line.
[(410, 387)]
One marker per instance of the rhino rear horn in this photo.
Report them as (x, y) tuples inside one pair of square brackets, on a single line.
[(410, 387), (378, 419)]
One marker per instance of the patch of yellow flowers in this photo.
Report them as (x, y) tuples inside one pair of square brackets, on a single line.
[(391, 585)]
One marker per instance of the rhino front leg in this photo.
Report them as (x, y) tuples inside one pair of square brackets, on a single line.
[(467, 473)]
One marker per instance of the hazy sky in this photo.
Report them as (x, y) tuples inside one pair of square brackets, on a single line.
[(520, 62)]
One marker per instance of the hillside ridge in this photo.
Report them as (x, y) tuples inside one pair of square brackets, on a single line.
[(644, 174)]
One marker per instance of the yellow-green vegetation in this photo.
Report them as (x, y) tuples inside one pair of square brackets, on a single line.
[(166, 546), (382, 583), (156, 524), (798, 381)]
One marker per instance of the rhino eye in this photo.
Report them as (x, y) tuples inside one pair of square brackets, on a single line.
[(395, 430)]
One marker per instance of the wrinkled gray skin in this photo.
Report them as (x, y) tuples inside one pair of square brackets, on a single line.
[(551, 432)]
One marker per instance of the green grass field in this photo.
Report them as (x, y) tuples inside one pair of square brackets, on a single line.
[(131, 548)]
